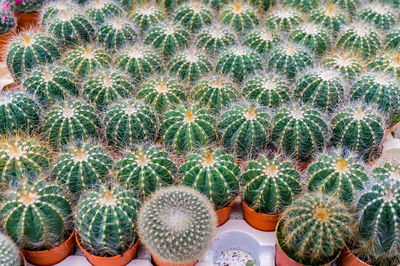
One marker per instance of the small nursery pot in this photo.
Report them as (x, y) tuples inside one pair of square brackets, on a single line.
[(159, 262), (260, 221), (223, 214), (348, 258), (27, 21), (4, 41), (119, 260), (51, 256)]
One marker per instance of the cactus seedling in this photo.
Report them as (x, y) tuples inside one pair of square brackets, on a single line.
[(329, 16), (116, 33), (100, 10), (239, 16), (215, 40), (312, 36), (189, 66), (9, 252), (349, 66), (146, 17), (261, 41), (194, 16), (283, 19), (379, 15)]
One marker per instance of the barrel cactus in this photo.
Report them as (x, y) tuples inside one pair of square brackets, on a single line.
[(351, 6), (127, 5), (100, 10), (311, 36), (392, 40), (130, 122), (215, 39), (18, 113), (299, 132), (329, 16), (71, 121), (349, 66), (335, 174), (270, 185), (305, 6), (187, 128), (7, 24), (114, 235), (283, 19), (9, 252), (146, 17), (168, 6), (189, 66), (245, 129), (387, 62), (26, 6), (261, 41), (193, 16), (262, 5), (144, 171), (22, 208), (380, 15), (169, 216), (214, 174), (81, 167), (239, 16), (115, 33), (28, 50)]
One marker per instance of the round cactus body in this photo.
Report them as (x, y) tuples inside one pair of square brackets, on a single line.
[(360, 40), (147, 17), (85, 60), (100, 10), (392, 40), (71, 122), (18, 113), (312, 36), (214, 174), (29, 50), (262, 5), (82, 167), (389, 63), (338, 175), (216, 4), (26, 6), (267, 91), (171, 215), (105, 220), (350, 5), (299, 132), (379, 15), (194, 15), (261, 40), (240, 17), (270, 185), (116, 33), (189, 66), (330, 17), (168, 6), (283, 19), (7, 23), (9, 252), (215, 40), (186, 129), (321, 89), (37, 216), (245, 130), (129, 123), (127, 5), (302, 5), (349, 66)]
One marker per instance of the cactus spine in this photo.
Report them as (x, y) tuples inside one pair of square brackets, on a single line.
[(344, 63), (215, 40), (261, 41), (240, 17), (194, 16), (116, 33), (147, 17), (9, 252), (189, 66), (283, 19), (311, 36)]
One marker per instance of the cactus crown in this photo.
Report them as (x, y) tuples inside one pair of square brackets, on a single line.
[(330, 16), (116, 32), (215, 39), (99, 10), (7, 21), (349, 66), (146, 17), (9, 252), (283, 19), (239, 16), (194, 15)]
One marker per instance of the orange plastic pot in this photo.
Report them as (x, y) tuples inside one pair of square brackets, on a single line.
[(27, 21), (119, 260), (348, 258), (51, 256), (260, 221), (4, 41), (223, 214), (159, 262)]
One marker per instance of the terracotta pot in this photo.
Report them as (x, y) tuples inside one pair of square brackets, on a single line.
[(119, 260), (159, 262), (51, 256), (223, 214), (4, 41), (347, 258), (23, 259), (27, 21), (260, 221)]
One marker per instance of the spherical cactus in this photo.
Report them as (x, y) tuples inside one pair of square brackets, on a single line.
[(312, 36), (189, 66), (28, 50), (262, 5), (392, 40), (245, 129), (289, 59), (71, 121), (168, 38), (85, 60), (147, 17), (314, 229), (360, 40), (358, 129), (193, 15), (379, 15), (9, 252), (283, 19), (389, 63), (261, 40), (168, 6), (270, 185), (130, 122), (214, 174), (116, 33), (146, 170), (342, 176), (100, 10), (305, 6), (215, 40), (163, 94), (23, 208), (139, 62), (169, 216), (51, 83), (349, 66), (321, 89), (7, 24), (22, 158), (267, 91), (239, 62), (350, 5), (214, 93), (107, 87), (26, 6), (330, 16), (18, 113), (115, 234), (127, 5), (187, 128), (82, 167), (299, 132), (240, 17)]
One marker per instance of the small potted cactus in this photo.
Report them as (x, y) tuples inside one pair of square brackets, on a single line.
[(9, 252), (7, 29), (27, 12)]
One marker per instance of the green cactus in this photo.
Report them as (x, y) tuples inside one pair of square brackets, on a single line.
[(168, 39), (18, 113), (26, 6), (262, 5), (9, 252), (169, 216), (239, 16), (312, 36), (37, 216), (51, 83), (314, 229), (215, 39), (299, 132), (71, 121), (116, 33), (187, 128), (305, 6), (189, 66), (245, 129), (126, 5), (349, 66), (351, 6), (358, 129), (86, 60), (267, 91), (145, 170), (261, 41), (216, 4), (146, 17), (100, 10), (270, 185), (214, 174), (107, 87), (329, 16), (130, 122), (7, 24), (168, 6), (342, 176), (105, 220), (380, 15), (81, 167), (28, 50), (392, 40), (163, 94), (193, 16), (386, 62), (283, 19)]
